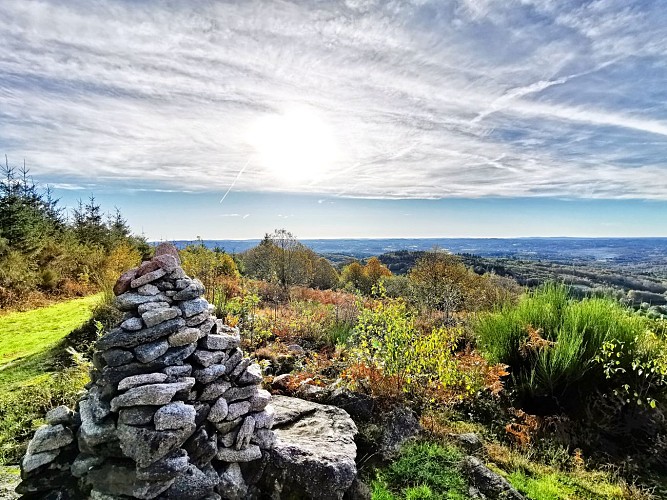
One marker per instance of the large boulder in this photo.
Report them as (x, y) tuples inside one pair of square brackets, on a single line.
[(314, 452)]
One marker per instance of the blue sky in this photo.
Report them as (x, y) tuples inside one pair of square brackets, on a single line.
[(345, 119)]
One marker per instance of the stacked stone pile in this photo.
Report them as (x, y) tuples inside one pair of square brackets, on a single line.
[(173, 407)]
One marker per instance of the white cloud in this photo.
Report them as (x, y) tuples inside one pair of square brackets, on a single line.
[(427, 99)]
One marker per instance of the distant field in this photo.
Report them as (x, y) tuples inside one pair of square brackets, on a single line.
[(27, 337)]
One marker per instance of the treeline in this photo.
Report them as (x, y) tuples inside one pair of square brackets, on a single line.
[(437, 281), (46, 253)]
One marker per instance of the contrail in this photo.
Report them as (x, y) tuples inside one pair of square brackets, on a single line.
[(234, 181)]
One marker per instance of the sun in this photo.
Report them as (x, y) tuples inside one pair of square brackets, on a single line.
[(295, 146)]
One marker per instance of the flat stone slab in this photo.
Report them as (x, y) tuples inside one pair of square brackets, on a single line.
[(121, 338), (314, 452), (153, 394)]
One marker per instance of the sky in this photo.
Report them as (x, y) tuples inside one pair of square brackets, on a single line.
[(357, 118)]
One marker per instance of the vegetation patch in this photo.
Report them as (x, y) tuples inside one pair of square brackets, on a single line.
[(422, 471), (25, 336)]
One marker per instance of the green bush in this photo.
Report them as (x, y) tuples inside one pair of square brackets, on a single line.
[(422, 471), (555, 345)]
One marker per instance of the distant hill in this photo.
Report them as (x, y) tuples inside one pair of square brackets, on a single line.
[(620, 251)]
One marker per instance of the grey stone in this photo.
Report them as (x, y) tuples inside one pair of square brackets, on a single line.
[(489, 483), (260, 400), (148, 290), (164, 285), (184, 336), (33, 461), (183, 283), (136, 415), (264, 419), (214, 390), (220, 342), (230, 330), (111, 375), (147, 278), (314, 453), (129, 301), (249, 454), (264, 438), (137, 380), (176, 373), (197, 319), (114, 479), (177, 274), (206, 327), (208, 358), (145, 445), (99, 406), (202, 410), (154, 394), (50, 437), (168, 467), (232, 486), (359, 406), (238, 370), (157, 316), (245, 434), (228, 426), (201, 447), (132, 324), (176, 415), (194, 306), (235, 357), (150, 306), (59, 415), (228, 440), (83, 463), (251, 376), (92, 433), (398, 426), (209, 374), (218, 411), (120, 338), (176, 355), (151, 351), (117, 357), (236, 393), (192, 484), (469, 441), (238, 409), (192, 291)]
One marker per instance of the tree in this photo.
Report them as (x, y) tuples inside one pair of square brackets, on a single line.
[(437, 282), (365, 278), (281, 258), (325, 276)]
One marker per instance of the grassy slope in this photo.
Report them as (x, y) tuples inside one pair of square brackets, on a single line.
[(26, 338)]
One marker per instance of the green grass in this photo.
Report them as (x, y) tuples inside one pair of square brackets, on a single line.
[(30, 342), (423, 471), (576, 330), (28, 339)]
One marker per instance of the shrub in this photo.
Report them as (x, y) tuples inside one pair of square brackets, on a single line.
[(555, 345), (425, 366), (422, 471)]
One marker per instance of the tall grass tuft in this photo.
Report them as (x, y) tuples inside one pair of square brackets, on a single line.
[(551, 341)]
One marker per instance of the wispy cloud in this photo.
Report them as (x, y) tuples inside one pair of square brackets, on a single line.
[(426, 99)]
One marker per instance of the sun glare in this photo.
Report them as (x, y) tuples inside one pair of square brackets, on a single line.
[(296, 146)]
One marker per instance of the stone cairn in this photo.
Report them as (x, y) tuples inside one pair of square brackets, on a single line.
[(173, 409)]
